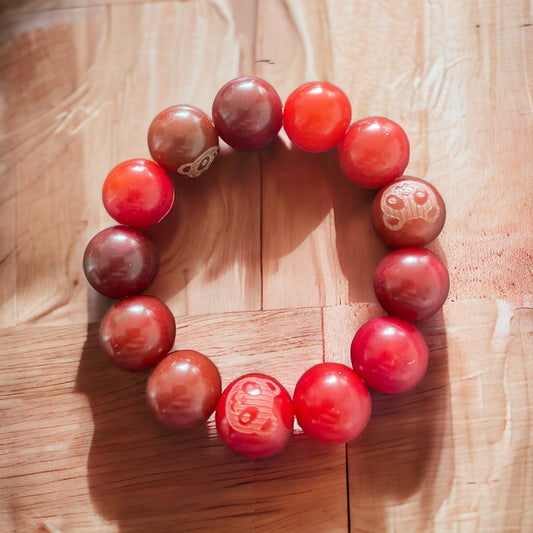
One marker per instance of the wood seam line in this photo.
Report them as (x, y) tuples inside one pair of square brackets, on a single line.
[(347, 488), (261, 230)]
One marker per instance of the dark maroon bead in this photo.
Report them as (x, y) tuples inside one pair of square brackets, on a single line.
[(183, 140), (408, 213), (411, 283), (120, 261), (247, 113)]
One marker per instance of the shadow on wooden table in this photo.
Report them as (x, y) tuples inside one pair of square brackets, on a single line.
[(212, 231), (402, 467), (253, 221), (144, 477)]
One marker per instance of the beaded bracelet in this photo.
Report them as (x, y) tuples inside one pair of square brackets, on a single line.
[(255, 413)]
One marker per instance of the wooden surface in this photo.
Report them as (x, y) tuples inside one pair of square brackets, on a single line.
[(267, 263)]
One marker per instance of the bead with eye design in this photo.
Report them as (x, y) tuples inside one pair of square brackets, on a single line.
[(408, 213)]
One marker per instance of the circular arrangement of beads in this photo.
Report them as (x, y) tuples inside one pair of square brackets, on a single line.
[(255, 413)]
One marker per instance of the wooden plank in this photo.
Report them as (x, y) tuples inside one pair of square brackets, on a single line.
[(434, 82), (98, 460), (8, 269), (446, 455), (75, 123), (329, 255), (9, 8), (209, 245)]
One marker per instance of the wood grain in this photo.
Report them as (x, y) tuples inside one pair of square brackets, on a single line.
[(266, 262)]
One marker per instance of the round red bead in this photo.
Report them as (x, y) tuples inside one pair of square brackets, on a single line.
[(183, 389), (138, 193), (411, 283), (316, 116), (255, 416), (331, 403), (374, 152), (389, 354), (137, 332)]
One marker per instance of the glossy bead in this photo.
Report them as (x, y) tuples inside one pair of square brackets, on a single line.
[(183, 389), (120, 261), (183, 140), (331, 403), (408, 213), (138, 193), (247, 113), (255, 416), (137, 332), (316, 116), (411, 283), (389, 354), (374, 152)]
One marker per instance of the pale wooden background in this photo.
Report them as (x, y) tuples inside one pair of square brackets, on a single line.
[(267, 263)]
